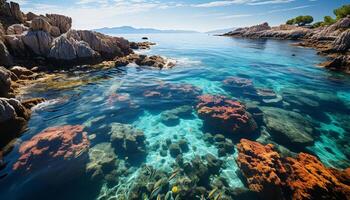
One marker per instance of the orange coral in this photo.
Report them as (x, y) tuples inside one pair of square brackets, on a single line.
[(303, 177), (261, 166)]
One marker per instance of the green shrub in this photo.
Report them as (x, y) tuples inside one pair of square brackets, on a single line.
[(342, 11), (301, 20), (328, 20), (317, 24)]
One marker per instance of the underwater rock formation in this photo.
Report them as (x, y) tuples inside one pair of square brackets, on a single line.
[(60, 148), (225, 145), (303, 177), (179, 94), (223, 115), (239, 85), (288, 127), (13, 120), (172, 117), (128, 142), (103, 163)]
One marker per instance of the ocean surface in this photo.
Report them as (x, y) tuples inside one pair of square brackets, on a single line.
[(319, 97)]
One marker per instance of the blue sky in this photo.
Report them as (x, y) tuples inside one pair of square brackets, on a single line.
[(200, 15)]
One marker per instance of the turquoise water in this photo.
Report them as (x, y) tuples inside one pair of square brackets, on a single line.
[(321, 97)]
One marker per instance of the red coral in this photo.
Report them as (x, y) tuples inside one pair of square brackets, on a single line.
[(303, 177), (221, 114), (62, 143)]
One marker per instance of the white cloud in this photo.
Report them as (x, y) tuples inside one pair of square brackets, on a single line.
[(289, 9), (236, 16)]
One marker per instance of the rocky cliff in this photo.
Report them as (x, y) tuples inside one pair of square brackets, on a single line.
[(332, 41), (49, 39)]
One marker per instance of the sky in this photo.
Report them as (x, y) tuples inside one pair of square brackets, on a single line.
[(198, 15)]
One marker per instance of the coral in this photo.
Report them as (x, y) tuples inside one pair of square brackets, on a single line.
[(261, 166), (66, 144), (303, 177), (223, 115), (310, 179)]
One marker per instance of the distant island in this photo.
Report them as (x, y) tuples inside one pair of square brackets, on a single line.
[(133, 30), (221, 31)]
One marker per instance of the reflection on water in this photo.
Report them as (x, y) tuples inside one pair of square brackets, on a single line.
[(143, 124)]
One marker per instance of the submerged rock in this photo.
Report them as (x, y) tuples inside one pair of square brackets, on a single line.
[(287, 127), (172, 117), (103, 161), (179, 94), (59, 148), (128, 142), (303, 177), (223, 115)]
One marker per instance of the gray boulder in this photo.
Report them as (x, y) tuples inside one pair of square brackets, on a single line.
[(39, 42), (40, 24), (16, 29), (287, 127), (342, 43), (5, 56), (13, 119), (69, 49), (5, 82), (63, 23)]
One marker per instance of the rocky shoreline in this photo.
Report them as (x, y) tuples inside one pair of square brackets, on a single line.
[(332, 41), (37, 48)]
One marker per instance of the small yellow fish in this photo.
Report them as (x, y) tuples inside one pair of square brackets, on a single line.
[(158, 197), (212, 192)]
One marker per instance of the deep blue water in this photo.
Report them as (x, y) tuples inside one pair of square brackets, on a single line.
[(204, 61)]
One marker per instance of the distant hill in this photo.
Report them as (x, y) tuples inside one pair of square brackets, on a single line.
[(130, 30), (221, 31)]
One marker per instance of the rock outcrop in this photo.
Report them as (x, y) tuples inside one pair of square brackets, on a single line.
[(223, 115), (144, 60), (49, 39), (13, 120), (275, 177), (5, 83), (332, 40)]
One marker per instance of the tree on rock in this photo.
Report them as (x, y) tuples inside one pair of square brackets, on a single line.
[(328, 20), (342, 11), (301, 20)]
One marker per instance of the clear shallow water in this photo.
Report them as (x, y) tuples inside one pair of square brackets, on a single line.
[(203, 61)]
